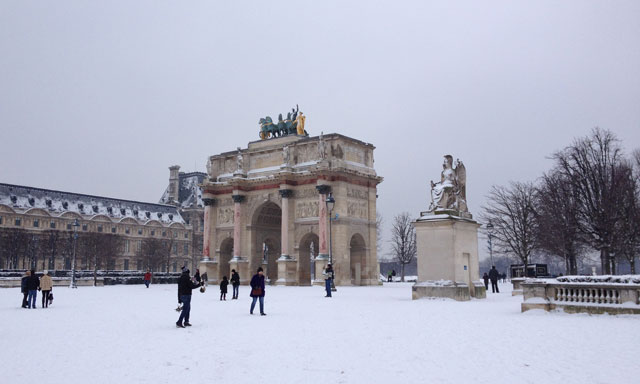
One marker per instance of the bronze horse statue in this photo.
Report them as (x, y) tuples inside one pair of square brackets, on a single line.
[(283, 127)]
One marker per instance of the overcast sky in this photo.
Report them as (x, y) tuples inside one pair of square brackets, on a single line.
[(102, 97)]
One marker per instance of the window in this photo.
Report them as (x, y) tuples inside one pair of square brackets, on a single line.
[(140, 231), (175, 249), (127, 230), (18, 222), (126, 264), (175, 266), (52, 225), (175, 235), (67, 263), (99, 228), (186, 249), (0, 219), (113, 229), (153, 233), (126, 246), (139, 265), (164, 234), (139, 246), (68, 226), (36, 223), (186, 235), (85, 227)]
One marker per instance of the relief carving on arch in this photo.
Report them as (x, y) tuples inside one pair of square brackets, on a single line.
[(306, 209), (225, 215), (357, 209)]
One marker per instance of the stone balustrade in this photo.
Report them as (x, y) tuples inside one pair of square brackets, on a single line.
[(575, 296)]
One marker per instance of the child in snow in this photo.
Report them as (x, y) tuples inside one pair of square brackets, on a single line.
[(223, 288)]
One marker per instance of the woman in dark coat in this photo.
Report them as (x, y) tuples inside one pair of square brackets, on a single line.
[(257, 291), (235, 282), (223, 288)]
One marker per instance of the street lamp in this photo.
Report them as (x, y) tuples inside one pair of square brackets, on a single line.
[(330, 203), (490, 235), (76, 224)]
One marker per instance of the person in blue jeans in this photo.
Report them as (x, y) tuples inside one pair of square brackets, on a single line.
[(328, 276), (257, 291), (185, 286), (33, 283)]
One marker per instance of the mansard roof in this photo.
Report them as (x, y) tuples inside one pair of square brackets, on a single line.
[(190, 194), (56, 203)]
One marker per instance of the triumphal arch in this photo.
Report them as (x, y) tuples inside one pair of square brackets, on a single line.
[(266, 206)]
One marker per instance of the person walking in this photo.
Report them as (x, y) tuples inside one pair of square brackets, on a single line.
[(46, 285), (493, 276), (185, 286), (33, 283), (235, 282), (485, 277), (389, 277), (257, 291), (23, 288), (147, 278), (223, 288), (328, 276), (197, 276)]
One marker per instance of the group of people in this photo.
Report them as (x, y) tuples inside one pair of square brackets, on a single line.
[(31, 284), (390, 275), (493, 275), (186, 285)]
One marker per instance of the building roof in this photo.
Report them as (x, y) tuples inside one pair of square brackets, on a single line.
[(190, 194), (23, 198)]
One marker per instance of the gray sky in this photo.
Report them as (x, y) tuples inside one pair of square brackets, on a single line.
[(101, 97)]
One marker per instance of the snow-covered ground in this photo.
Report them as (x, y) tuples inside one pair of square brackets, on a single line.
[(127, 334)]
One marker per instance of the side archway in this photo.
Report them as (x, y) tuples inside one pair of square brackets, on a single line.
[(226, 253), (357, 258), (307, 251)]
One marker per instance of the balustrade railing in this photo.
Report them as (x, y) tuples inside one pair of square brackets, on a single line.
[(587, 295)]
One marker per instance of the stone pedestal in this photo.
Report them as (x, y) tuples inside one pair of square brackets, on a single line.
[(242, 267), (211, 268), (320, 262), (447, 258), (287, 272)]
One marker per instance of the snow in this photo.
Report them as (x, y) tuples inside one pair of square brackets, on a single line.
[(604, 279), (361, 335)]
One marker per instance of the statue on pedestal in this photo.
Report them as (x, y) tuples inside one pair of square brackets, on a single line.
[(322, 147), (450, 192), (239, 161)]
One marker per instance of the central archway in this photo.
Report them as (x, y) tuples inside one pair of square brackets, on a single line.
[(266, 235)]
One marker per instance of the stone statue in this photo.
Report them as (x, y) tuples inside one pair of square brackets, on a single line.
[(311, 250), (450, 192), (286, 155), (239, 161), (322, 147)]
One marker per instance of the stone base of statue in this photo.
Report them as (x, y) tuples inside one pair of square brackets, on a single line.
[(287, 271), (209, 267), (241, 265), (447, 256)]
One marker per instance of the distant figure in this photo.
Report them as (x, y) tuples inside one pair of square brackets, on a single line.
[(23, 288), (257, 291), (185, 285), (223, 288), (33, 283), (235, 282), (485, 277), (389, 276), (197, 276), (46, 285), (205, 278), (147, 278), (328, 276), (504, 277), (393, 273), (494, 276)]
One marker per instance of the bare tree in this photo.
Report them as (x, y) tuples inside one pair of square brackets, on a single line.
[(557, 220), (152, 253), (627, 234), (403, 240), (592, 165), (101, 249), (511, 210)]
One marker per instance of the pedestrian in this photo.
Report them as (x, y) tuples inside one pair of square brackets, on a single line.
[(235, 282), (328, 276), (223, 288), (257, 291), (147, 278), (185, 286), (33, 283), (393, 273), (46, 285), (23, 288), (205, 278), (389, 277), (485, 277), (493, 276), (197, 276)]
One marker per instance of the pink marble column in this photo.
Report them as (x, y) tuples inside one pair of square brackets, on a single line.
[(237, 226), (284, 229), (323, 251), (208, 206)]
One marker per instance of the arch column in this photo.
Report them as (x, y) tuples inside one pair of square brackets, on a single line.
[(209, 264), (286, 264), (323, 249), (238, 262)]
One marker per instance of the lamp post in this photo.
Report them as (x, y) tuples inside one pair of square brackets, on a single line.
[(490, 235), (330, 203), (76, 224)]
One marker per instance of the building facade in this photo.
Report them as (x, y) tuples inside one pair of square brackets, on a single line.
[(266, 206), (37, 231)]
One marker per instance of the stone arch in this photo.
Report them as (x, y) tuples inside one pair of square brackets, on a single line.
[(226, 253), (306, 265), (266, 225), (357, 258)]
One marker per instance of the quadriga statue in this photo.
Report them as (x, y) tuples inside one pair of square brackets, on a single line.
[(293, 124), (450, 193)]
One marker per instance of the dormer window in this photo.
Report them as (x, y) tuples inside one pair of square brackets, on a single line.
[(65, 204), (14, 199), (110, 210), (81, 207), (148, 214), (95, 208), (123, 211), (159, 215), (49, 202), (32, 201)]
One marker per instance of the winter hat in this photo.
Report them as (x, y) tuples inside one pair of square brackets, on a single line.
[(259, 269), (45, 272)]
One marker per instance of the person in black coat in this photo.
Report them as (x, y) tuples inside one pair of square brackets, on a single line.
[(494, 276), (23, 288), (223, 288), (485, 277), (235, 282), (257, 291), (33, 283), (185, 286)]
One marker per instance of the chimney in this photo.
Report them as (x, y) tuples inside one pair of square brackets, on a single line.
[(174, 184)]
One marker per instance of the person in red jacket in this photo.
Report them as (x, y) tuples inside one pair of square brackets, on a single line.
[(147, 278)]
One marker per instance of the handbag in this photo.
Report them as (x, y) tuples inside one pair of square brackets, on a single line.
[(256, 291)]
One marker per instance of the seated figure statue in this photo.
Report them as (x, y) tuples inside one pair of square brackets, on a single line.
[(450, 192)]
